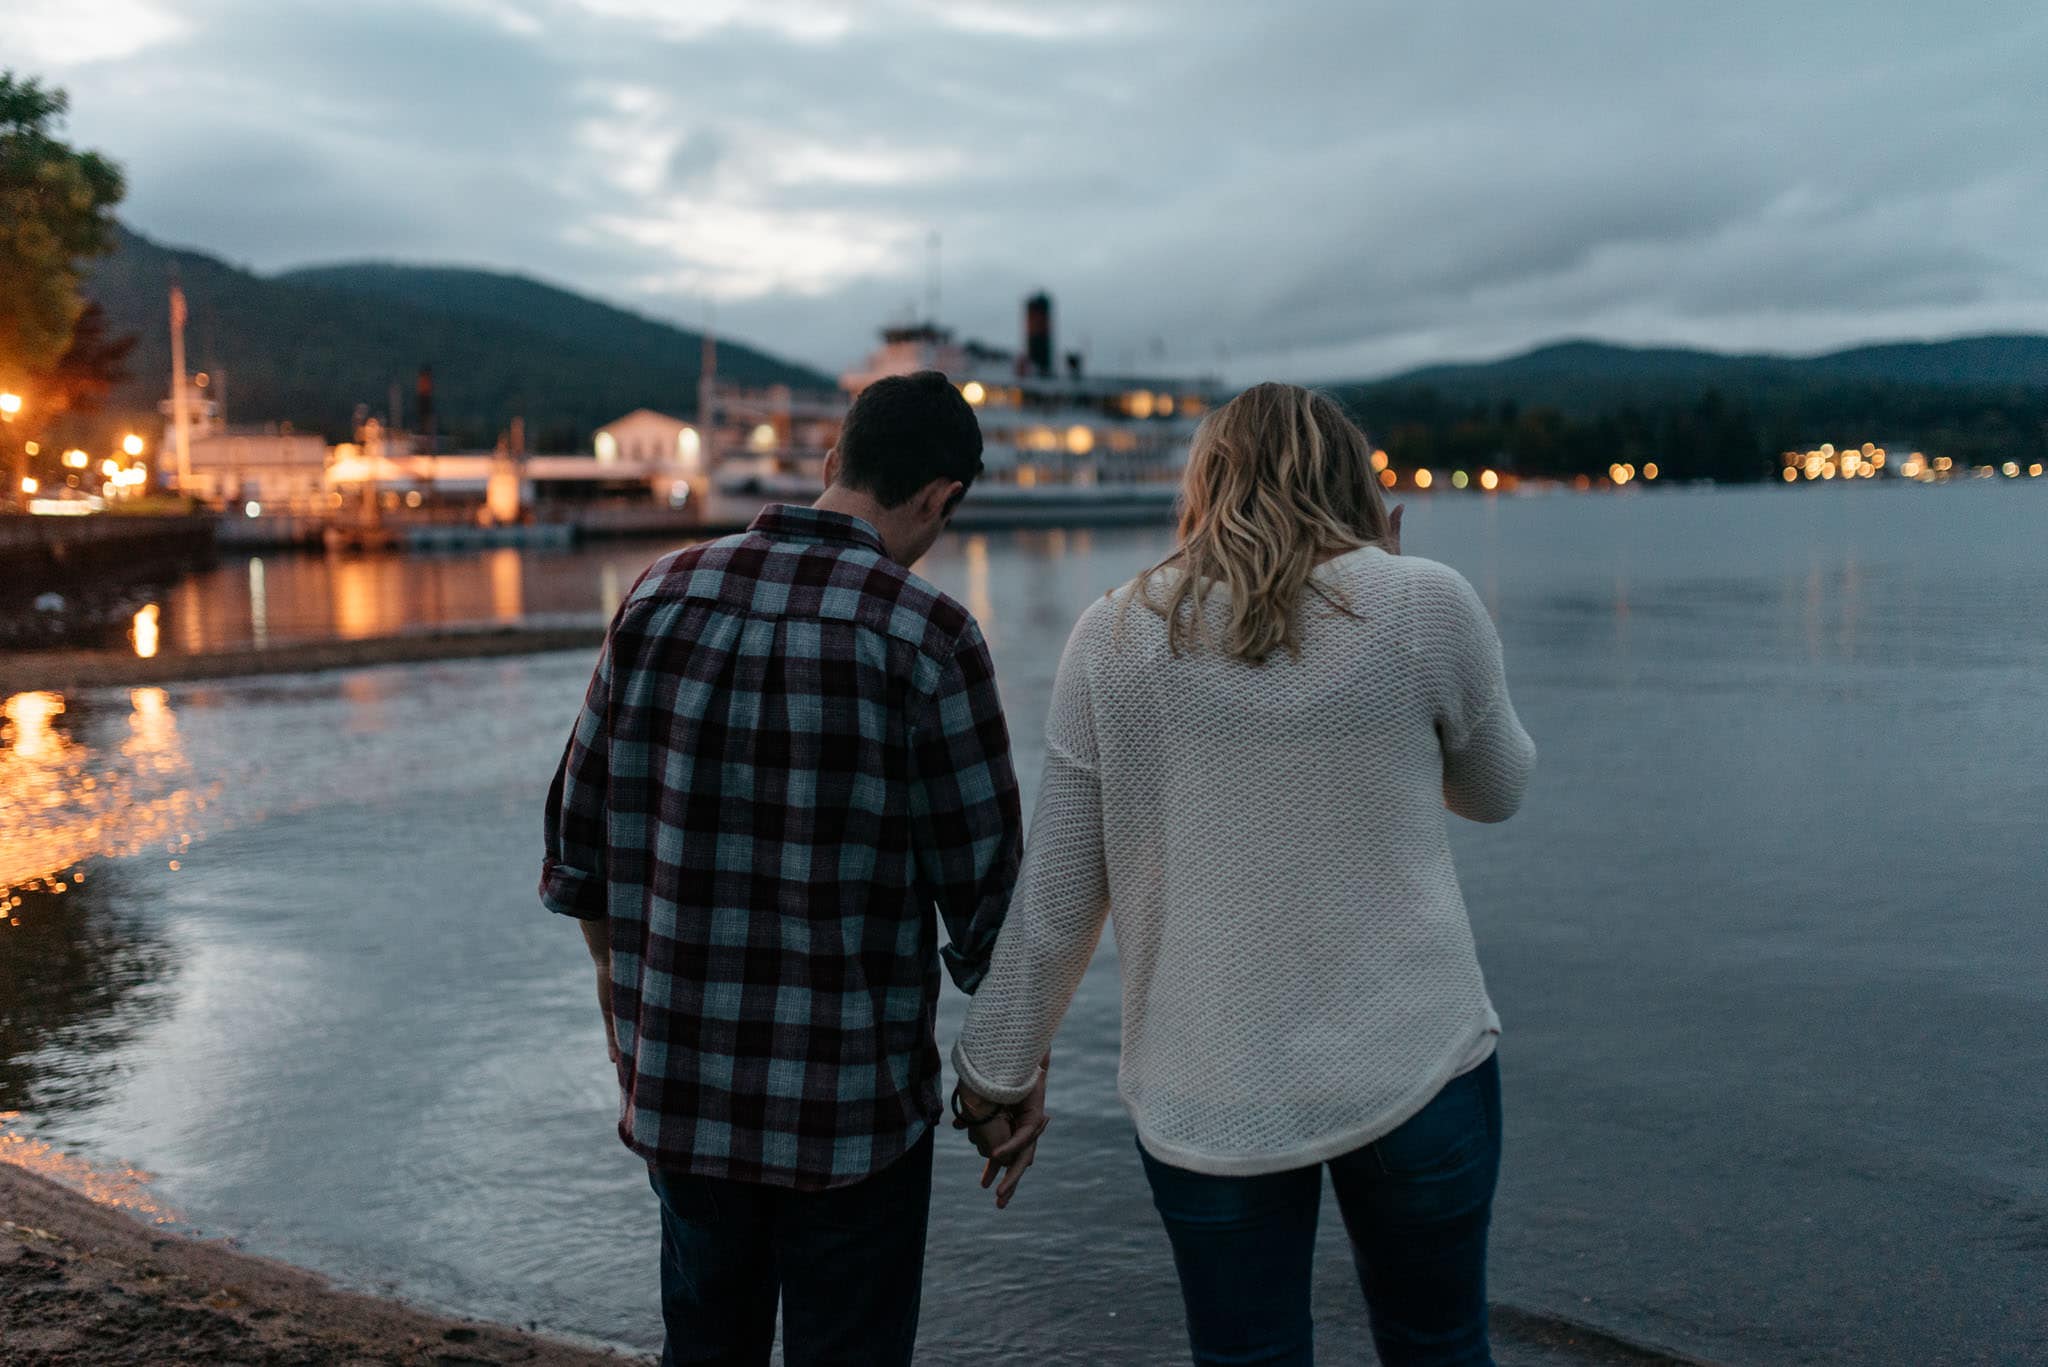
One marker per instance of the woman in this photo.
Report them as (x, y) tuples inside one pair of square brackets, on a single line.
[(1248, 760)]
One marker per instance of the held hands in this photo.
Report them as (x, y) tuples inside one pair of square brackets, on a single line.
[(1008, 1137)]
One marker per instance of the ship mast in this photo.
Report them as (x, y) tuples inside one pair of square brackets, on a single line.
[(707, 393), (181, 412)]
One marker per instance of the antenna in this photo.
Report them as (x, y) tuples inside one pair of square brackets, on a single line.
[(931, 277)]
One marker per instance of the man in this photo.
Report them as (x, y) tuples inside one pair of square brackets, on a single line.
[(791, 751)]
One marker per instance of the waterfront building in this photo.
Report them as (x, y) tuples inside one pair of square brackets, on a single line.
[(1056, 435), (263, 465), (234, 466), (645, 437)]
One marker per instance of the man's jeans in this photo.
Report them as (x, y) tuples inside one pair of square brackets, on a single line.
[(1416, 1204), (848, 1264)]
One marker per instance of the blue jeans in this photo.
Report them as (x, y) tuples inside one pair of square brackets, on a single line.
[(847, 1264), (1416, 1204)]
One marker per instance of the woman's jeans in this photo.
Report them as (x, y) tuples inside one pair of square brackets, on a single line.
[(1416, 1204)]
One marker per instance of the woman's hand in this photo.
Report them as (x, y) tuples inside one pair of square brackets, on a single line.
[(1393, 542), (1014, 1154)]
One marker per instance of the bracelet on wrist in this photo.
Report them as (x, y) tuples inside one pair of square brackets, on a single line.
[(967, 1117)]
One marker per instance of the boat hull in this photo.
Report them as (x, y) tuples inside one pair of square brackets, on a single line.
[(987, 507)]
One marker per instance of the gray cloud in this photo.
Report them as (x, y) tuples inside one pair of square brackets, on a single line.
[(695, 157), (1311, 189)]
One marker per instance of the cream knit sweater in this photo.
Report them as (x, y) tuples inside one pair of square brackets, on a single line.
[(1298, 969)]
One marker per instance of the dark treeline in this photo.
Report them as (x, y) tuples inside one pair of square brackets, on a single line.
[(1711, 434)]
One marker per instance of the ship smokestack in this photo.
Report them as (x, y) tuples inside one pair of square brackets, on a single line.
[(1038, 333)]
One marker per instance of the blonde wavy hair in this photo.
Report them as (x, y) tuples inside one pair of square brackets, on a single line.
[(1278, 480)]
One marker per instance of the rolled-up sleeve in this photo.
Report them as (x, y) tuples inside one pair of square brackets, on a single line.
[(967, 820), (572, 875)]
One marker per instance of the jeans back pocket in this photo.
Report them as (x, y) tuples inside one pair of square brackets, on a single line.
[(1441, 1137)]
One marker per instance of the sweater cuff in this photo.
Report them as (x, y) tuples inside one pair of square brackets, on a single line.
[(982, 1085)]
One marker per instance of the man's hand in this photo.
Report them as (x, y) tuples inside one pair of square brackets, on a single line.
[(1393, 542), (1009, 1141), (989, 1133), (597, 939)]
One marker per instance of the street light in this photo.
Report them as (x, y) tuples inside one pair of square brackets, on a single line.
[(15, 463), (132, 444)]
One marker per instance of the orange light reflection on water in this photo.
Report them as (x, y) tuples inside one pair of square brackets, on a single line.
[(121, 1188), (508, 585), (356, 605), (30, 735), (68, 802), (145, 631), (978, 601)]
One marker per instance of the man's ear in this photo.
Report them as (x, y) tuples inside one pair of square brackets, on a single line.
[(831, 467), (941, 497)]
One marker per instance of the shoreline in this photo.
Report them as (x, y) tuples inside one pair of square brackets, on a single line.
[(100, 1285), (64, 671), (86, 1285)]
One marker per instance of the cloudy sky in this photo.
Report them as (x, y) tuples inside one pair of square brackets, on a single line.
[(1309, 190)]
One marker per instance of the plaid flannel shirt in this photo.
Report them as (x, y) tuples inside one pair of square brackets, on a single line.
[(791, 751)]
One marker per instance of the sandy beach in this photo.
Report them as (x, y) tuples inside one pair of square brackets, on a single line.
[(83, 1285)]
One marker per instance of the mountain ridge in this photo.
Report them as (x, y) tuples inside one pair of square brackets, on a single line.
[(1578, 407), (1583, 373), (307, 346)]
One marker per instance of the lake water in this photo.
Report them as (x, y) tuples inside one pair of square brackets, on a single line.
[(1770, 940)]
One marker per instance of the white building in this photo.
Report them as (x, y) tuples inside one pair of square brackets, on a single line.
[(282, 469), (645, 437)]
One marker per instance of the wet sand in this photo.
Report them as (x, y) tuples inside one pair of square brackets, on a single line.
[(68, 670), (83, 1285)]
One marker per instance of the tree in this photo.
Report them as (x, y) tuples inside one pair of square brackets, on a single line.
[(90, 367), (56, 212)]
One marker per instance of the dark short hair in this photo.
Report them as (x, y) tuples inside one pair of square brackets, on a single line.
[(905, 431)]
